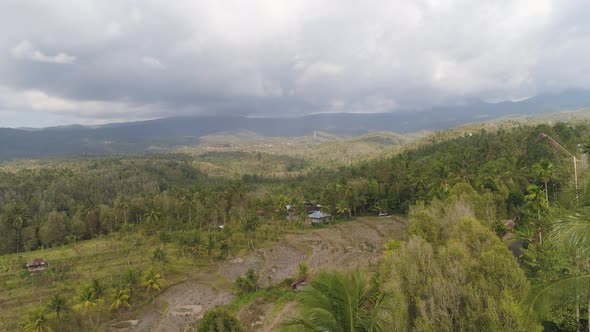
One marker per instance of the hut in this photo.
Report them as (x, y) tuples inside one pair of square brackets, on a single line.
[(36, 265)]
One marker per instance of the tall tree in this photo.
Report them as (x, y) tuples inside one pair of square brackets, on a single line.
[(87, 302), (545, 171), (57, 303)]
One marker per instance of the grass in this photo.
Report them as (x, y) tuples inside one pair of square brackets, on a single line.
[(105, 258), (72, 266)]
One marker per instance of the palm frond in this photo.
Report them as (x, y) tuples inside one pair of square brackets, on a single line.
[(541, 297), (573, 230)]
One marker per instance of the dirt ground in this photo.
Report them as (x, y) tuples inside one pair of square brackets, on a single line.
[(343, 246)]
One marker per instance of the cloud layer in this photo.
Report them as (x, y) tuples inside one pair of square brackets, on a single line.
[(89, 61)]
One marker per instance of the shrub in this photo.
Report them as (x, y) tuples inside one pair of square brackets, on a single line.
[(219, 320)]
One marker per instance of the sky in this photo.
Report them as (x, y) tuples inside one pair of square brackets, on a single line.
[(92, 62)]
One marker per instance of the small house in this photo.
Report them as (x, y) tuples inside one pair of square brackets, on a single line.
[(310, 207), (36, 265), (319, 217)]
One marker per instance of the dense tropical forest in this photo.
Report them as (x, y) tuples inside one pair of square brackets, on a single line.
[(466, 198)]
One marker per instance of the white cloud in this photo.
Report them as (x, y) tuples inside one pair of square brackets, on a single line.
[(113, 30), (12, 101), (349, 56), (152, 62), (25, 51)]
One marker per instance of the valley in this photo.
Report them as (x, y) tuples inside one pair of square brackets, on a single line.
[(156, 242)]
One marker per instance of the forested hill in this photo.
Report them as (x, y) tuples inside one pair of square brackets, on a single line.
[(163, 134), (503, 166)]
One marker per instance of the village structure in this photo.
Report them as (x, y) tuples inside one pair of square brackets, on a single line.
[(314, 212), (36, 265)]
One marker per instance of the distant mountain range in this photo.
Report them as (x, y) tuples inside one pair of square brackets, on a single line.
[(167, 133)]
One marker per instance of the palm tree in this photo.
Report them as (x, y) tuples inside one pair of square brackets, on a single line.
[(37, 322), (57, 303), (19, 221), (338, 302), (87, 301), (571, 231), (97, 288), (545, 171), (574, 230), (131, 279), (120, 298), (302, 270), (534, 205), (248, 283), (152, 281), (122, 203), (342, 208)]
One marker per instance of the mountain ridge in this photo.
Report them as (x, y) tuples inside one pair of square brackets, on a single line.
[(167, 133)]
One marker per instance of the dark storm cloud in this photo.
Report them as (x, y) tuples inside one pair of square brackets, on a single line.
[(99, 61)]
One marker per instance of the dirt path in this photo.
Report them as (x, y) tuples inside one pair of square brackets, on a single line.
[(344, 246)]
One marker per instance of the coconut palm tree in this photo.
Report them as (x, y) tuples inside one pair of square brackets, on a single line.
[(248, 283), (37, 322), (338, 302), (131, 278), (97, 288), (20, 219), (87, 301), (545, 171), (120, 298), (152, 281), (57, 303), (571, 231), (343, 209)]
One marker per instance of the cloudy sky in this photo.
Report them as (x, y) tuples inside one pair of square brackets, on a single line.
[(83, 61)]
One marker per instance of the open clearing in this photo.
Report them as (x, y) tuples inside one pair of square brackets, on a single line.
[(343, 246)]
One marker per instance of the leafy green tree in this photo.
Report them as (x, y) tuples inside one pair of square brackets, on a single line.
[(219, 320), (455, 274), (338, 302), (55, 229)]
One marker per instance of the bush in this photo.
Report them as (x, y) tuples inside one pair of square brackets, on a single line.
[(219, 320), (247, 283)]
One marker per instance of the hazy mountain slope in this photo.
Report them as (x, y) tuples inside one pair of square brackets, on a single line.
[(173, 132)]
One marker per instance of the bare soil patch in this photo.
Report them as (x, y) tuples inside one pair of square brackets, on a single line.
[(343, 246)]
